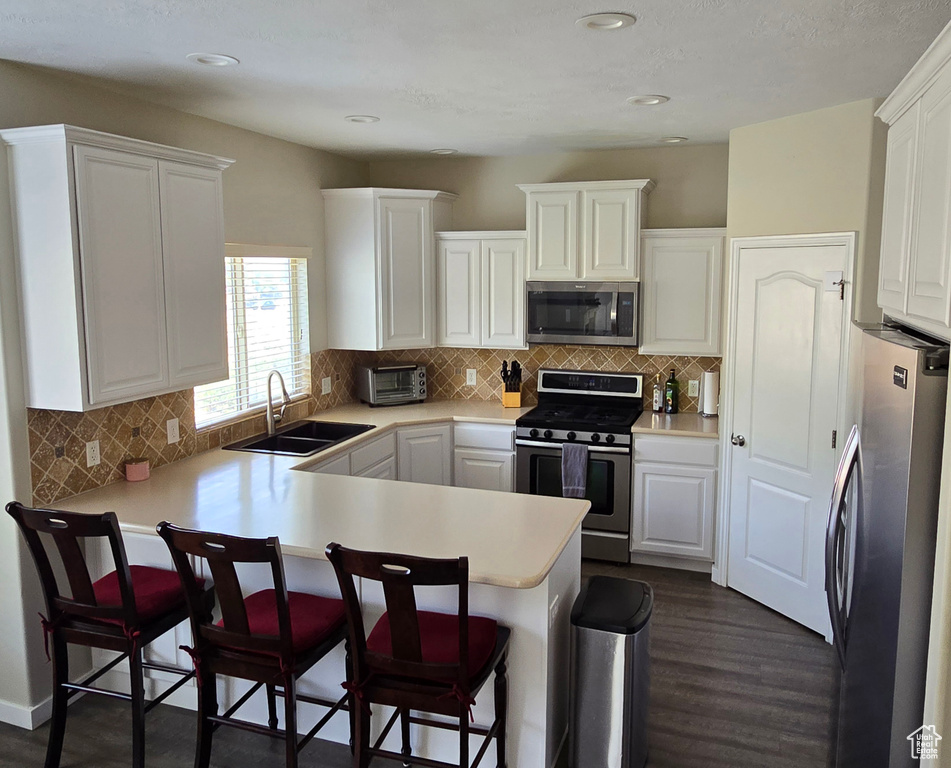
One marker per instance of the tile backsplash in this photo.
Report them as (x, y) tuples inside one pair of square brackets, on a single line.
[(137, 429)]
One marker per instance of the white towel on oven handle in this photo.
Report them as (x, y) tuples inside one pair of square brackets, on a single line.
[(574, 470)]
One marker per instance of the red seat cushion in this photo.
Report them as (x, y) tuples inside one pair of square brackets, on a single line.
[(439, 639), (313, 618), (157, 591)]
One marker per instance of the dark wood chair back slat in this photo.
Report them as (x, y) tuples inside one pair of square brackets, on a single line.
[(400, 575), (222, 552), (68, 530)]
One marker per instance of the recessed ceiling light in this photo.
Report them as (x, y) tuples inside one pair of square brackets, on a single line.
[(673, 139), (362, 118), (605, 22), (651, 100), (443, 151), (212, 59)]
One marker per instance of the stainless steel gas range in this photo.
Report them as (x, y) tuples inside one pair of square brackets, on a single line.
[(598, 410)]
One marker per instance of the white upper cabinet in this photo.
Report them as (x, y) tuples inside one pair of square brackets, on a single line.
[(380, 266), (585, 230), (915, 268), (120, 251), (680, 291), (481, 289)]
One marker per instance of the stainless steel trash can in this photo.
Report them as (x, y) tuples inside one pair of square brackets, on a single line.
[(610, 673)]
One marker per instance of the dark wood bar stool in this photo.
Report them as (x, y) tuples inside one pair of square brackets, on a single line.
[(271, 637), (123, 611), (420, 660)]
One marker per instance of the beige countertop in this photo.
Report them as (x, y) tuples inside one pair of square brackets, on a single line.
[(676, 425), (511, 539)]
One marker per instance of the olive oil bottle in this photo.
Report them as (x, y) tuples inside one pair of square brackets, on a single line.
[(658, 399), (671, 394)]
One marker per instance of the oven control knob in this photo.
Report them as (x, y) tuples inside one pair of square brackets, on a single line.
[(571, 435), (595, 438), (548, 434), (533, 433), (609, 439)]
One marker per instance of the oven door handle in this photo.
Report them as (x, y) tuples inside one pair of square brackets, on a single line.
[(557, 447)]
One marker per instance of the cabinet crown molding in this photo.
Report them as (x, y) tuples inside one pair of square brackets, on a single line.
[(918, 79), (75, 135), (646, 185), (370, 192)]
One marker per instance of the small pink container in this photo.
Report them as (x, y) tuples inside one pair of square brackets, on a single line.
[(137, 469)]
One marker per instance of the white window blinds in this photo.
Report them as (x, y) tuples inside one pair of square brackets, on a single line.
[(267, 330)]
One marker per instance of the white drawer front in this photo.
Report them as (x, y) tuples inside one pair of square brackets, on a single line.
[(702, 451), (494, 437), (374, 452)]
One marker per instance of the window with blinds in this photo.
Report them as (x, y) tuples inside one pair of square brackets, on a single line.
[(267, 330)]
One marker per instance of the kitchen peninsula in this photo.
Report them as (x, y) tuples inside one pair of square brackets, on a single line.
[(524, 561)]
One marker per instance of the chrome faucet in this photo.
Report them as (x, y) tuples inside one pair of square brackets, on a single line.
[(269, 416)]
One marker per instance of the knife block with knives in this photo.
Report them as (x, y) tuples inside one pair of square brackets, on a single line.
[(511, 385)]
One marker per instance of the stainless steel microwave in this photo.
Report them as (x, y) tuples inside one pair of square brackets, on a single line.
[(582, 313), (391, 384)]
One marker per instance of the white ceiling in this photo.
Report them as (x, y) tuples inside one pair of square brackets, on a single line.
[(486, 77)]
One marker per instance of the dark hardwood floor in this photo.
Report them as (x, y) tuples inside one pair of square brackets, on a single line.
[(734, 685)]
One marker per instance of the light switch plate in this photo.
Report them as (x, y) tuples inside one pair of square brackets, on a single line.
[(693, 388), (92, 453), (171, 428), (470, 377), (325, 385)]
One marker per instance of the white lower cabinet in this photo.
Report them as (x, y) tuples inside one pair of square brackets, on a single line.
[(424, 454), (674, 492), (385, 470), (488, 470), (339, 465), (484, 456)]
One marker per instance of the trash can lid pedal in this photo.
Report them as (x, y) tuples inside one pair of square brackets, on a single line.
[(614, 605)]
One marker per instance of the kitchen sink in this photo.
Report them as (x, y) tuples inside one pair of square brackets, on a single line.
[(303, 438)]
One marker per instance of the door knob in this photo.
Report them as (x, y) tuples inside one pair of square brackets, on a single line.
[(738, 440)]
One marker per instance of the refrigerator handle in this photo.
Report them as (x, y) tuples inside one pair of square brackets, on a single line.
[(849, 470)]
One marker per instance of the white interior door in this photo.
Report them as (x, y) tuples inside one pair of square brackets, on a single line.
[(790, 340)]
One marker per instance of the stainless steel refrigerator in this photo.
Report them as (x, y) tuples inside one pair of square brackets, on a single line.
[(880, 547)]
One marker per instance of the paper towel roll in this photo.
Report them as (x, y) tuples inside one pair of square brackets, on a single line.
[(710, 393)]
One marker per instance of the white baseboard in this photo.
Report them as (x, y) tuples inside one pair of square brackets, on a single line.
[(29, 718)]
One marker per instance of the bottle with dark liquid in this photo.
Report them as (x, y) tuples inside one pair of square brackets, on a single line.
[(671, 394)]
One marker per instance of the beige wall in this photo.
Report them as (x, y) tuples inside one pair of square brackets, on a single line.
[(272, 195), (691, 182), (816, 172)]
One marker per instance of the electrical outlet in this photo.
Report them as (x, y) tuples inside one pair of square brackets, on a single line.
[(470, 377), (325, 385), (171, 428), (92, 453), (693, 388)]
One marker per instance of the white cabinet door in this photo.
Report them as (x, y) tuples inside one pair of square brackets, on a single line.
[(193, 243), (929, 283), (424, 454), (336, 466), (406, 250), (385, 470), (553, 235), (681, 292), (503, 289), (488, 470), (610, 234), (120, 244), (673, 510), (459, 293), (900, 177)]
